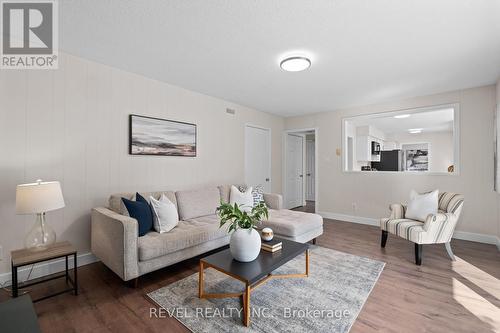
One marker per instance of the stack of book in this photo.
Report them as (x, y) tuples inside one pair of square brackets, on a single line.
[(271, 246)]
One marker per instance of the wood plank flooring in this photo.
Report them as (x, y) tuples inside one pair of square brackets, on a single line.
[(439, 296)]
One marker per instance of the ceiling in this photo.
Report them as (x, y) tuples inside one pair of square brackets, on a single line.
[(439, 120), (362, 51)]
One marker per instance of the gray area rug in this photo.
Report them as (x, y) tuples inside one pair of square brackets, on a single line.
[(329, 300)]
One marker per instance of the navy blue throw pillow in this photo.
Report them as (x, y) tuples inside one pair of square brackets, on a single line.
[(141, 211)]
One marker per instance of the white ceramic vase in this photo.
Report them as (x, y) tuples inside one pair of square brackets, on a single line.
[(245, 244)]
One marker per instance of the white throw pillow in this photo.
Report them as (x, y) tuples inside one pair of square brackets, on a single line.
[(165, 216), (242, 199), (421, 205)]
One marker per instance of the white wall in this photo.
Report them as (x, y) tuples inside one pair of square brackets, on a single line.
[(373, 192), (71, 125), (498, 108), (440, 147)]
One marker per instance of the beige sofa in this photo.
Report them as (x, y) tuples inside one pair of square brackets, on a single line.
[(115, 241)]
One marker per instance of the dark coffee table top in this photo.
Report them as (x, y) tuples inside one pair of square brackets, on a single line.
[(265, 263)]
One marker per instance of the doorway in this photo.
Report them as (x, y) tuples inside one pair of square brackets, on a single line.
[(310, 167), (258, 157), (295, 170), (300, 170)]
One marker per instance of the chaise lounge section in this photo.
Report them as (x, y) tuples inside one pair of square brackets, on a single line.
[(115, 241)]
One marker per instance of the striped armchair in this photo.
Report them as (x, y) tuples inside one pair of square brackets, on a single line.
[(436, 229)]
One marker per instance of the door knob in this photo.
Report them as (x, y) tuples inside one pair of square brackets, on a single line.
[(309, 174), (301, 176), (267, 179)]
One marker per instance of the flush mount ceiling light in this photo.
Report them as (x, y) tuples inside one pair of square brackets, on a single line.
[(415, 130), (295, 64), (401, 116)]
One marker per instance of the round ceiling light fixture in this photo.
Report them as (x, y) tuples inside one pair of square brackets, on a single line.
[(295, 64)]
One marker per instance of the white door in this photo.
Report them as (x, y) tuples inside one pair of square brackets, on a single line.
[(258, 157), (294, 171), (310, 176)]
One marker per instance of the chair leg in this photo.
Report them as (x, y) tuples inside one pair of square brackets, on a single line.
[(418, 254), (450, 252), (383, 241)]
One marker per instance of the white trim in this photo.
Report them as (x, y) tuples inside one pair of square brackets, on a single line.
[(316, 166), (270, 152), (456, 137), (350, 218), (473, 237), (468, 236), (46, 268)]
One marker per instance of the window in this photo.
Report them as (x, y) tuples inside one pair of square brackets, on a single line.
[(423, 140)]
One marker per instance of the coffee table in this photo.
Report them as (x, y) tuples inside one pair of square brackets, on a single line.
[(254, 273)]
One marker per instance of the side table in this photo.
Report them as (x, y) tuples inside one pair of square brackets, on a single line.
[(24, 257)]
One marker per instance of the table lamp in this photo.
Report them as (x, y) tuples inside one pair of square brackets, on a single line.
[(38, 198)]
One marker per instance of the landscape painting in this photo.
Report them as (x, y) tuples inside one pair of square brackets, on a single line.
[(153, 136)]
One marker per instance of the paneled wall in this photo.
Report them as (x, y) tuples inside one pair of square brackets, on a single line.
[(71, 125)]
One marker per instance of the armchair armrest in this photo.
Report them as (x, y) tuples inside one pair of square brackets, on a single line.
[(439, 227), (398, 211), (114, 241), (273, 200)]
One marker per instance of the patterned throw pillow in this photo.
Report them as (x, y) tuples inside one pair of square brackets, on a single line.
[(257, 193)]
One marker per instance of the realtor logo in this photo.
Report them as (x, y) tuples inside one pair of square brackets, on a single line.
[(29, 34)]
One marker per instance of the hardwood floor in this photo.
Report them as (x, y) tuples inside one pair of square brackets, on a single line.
[(439, 296), (308, 208)]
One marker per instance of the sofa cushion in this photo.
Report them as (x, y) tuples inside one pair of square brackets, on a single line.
[(116, 203), (186, 234), (244, 199), (225, 191), (291, 223), (257, 193), (195, 203), (421, 205), (165, 216), (141, 211)]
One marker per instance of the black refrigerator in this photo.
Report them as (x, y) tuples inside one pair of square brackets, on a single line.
[(390, 160)]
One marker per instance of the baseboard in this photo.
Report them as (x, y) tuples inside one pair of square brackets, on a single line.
[(46, 268), (350, 218), (469, 236), (480, 238)]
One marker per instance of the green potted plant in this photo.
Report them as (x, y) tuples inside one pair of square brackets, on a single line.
[(245, 240)]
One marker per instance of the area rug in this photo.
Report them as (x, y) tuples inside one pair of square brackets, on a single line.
[(329, 300)]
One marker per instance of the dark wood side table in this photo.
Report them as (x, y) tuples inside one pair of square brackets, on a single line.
[(24, 257)]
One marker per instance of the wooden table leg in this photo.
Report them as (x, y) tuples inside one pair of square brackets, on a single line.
[(307, 262), (200, 281), (246, 306)]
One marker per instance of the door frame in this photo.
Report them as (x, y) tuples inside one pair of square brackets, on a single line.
[(302, 137), (316, 167), (270, 169), (306, 158)]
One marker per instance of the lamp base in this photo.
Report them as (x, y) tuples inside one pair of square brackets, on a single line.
[(40, 236)]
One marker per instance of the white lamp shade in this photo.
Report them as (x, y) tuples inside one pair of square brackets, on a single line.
[(38, 197)]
